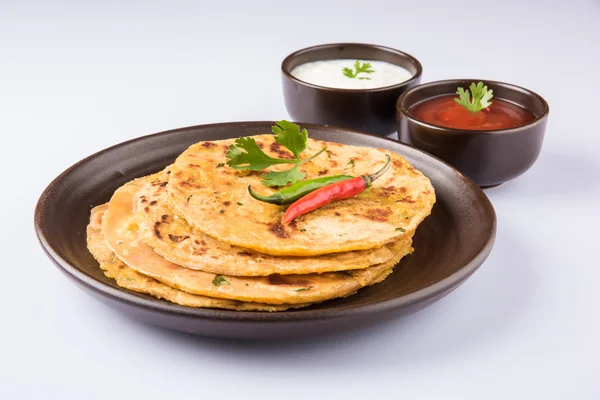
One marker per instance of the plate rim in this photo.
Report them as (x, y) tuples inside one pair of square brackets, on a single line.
[(163, 306)]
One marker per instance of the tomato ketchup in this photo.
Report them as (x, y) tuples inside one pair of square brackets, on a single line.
[(444, 111)]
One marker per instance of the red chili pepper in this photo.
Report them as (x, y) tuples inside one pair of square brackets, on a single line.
[(330, 193)]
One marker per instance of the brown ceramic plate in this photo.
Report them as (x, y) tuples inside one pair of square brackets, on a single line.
[(449, 245)]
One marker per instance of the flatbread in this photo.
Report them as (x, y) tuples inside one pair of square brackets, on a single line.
[(130, 279), (175, 240), (121, 229), (207, 197)]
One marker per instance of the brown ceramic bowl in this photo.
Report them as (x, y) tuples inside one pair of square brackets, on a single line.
[(488, 157), (449, 245), (367, 110)]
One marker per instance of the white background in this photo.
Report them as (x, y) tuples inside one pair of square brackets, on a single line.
[(78, 77)]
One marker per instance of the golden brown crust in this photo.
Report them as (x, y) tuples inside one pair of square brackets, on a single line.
[(174, 239), (395, 204), (121, 229), (130, 279)]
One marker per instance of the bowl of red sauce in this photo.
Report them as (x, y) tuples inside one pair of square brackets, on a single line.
[(491, 131)]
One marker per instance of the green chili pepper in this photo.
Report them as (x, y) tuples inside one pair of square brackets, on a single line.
[(292, 193)]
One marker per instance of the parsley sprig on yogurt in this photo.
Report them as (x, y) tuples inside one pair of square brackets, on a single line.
[(359, 68)]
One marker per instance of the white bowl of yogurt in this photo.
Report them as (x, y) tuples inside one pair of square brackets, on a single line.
[(351, 85)]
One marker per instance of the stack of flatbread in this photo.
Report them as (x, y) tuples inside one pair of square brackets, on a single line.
[(191, 234)]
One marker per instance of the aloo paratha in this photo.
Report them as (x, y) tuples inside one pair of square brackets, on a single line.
[(207, 194)]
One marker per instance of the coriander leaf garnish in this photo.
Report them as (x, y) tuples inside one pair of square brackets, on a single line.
[(478, 98), (303, 289), (350, 164), (239, 203), (401, 229), (282, 178), (219, 165), (290, 136), (219, 280), (245, 154), (253, 158), (358, 68)]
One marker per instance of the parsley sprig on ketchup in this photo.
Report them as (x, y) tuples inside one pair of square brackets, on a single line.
[(473, 109)]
